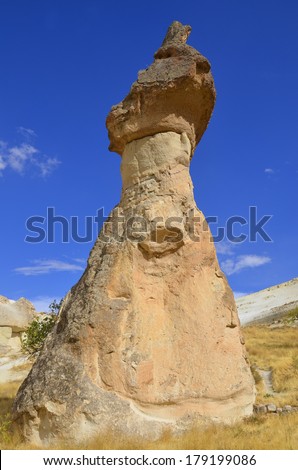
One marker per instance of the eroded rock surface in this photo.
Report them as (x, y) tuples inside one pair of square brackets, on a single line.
[(149, 338), (15, 317), (176, 93)]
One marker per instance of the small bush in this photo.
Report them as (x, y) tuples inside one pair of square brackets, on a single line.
[(292, 315), (36, 333), (39, 329), (5, 424), (55, 306)]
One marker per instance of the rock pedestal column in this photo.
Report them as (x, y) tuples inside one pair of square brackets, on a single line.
[(149, 338)]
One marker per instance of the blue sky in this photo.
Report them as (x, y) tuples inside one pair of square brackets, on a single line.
[(65, 63)]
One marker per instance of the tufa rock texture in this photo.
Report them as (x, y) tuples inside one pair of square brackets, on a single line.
[(176, 93), (149, 338), (15, 317)]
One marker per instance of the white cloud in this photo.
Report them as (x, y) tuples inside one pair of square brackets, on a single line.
[(224, 248), (24, 156), (232, 266), (2, 164), (47, 166), (18, 156), (79, 260), (3, 149), (26, 132), (41, 303), (269, 171), (48, 266)]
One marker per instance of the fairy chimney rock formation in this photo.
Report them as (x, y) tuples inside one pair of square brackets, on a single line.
[(176, 93), (149, 338)]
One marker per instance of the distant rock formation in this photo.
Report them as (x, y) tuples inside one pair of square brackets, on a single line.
[(149, 338), (14, 319), (16, 314), (268, 304)]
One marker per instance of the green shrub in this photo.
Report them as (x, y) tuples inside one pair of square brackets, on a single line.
[(37, 332), (55, 306), (292, 315), (39, 329)]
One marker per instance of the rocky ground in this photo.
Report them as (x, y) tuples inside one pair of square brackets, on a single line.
[(275, 411)]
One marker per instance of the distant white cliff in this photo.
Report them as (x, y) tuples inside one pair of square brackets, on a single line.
[(268, 304)]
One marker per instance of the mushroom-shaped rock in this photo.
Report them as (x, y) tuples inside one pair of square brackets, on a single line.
[(149, 338)]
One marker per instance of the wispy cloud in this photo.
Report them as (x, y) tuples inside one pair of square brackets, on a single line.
[(42, 302), (23, 156), (39, 267), (232, 266), (224, 248), (2, 160), (17, 157), (27, 133), (47, 165), (79, 260), (272, 174)]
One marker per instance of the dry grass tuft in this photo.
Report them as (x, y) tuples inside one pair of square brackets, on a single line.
[(257, 432), (275, 349), (7, 394)]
